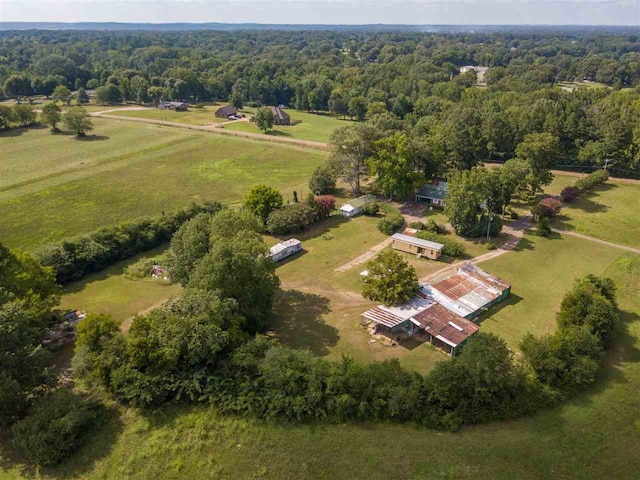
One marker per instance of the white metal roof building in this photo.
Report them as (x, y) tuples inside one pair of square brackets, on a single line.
[(284, 249), (354, 206)]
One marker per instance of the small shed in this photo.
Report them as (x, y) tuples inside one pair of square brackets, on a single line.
[(433, 194), (225, 112), (417, 246), (280, 117), (285, 249), (354, 207)]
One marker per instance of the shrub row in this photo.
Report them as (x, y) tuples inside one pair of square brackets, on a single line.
[(73, 258), (296, 216), (429, 226), (451, 247), (584, 185), (160, 360)]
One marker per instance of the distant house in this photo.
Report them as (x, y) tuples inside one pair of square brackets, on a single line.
[(285, 249), (433, 194), (423, 316), (177, 106), (409, 244), (468, 291), (354, 207), (225, 112), (280, 117), (480, 71)]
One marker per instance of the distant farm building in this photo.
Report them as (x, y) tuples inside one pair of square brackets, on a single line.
[(225, 112), (177, 106), (468, 292), (280, 117), (284, 249), (433, 194), (409, 244), (424, 317), (354, 207)]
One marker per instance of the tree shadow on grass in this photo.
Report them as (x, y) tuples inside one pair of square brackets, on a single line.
[(525, 244), (299, 321), (92, 138), (96, 444), (512, 299)]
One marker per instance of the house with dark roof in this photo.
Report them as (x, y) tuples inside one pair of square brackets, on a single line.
[(433, 193), (177, 106), (280, 117), (225, 112)]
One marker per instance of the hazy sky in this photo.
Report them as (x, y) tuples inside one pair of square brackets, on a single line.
[(552, 12)]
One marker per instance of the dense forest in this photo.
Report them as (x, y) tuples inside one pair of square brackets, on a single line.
[(408, 81)]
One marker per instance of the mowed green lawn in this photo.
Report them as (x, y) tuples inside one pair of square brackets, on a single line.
[(55, 186), (610, 212), (314, 127), (193, 116), (592, 436), (541, 270)]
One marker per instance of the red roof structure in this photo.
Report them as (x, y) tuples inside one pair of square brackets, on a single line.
[(446, 326)]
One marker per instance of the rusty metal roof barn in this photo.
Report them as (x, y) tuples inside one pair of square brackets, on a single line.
[(468, 291)]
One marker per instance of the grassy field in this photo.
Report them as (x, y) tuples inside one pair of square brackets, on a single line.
[(610, 212), (193, 116), (315, 127), (127, 171), (113, 293), (541, 271), (592, 436)]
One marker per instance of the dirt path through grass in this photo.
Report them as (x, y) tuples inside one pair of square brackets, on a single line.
[(597, 240)]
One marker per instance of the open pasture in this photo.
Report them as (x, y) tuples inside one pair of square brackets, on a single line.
[(311, 126), (204, 115), (56, 186), (610, 212)]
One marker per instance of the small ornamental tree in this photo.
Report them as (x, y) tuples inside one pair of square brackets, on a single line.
[(51, 115), (324, 205), (391, 280), (548, 207), (78, 121), (569, 194), (264, 119), (262, 200)]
